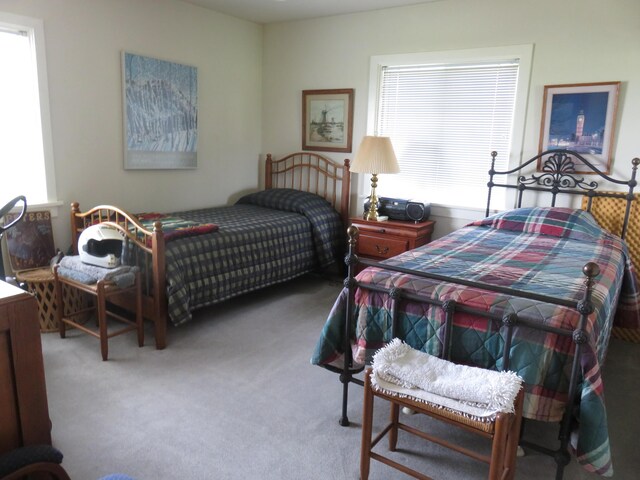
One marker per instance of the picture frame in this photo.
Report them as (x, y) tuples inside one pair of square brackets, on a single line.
[(30, 241), (160, 108), (327, 120), (580, 117)]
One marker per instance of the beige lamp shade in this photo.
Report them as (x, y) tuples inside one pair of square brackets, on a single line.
[(375, 155)]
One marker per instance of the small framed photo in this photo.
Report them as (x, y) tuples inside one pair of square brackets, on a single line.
[(580, 117), (327, 120)]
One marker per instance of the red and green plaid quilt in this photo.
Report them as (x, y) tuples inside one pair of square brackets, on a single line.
[(175, 227), (532, 250)]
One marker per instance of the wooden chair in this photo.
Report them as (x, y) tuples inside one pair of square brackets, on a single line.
[(30, 250), (503, 432), (102, 291)]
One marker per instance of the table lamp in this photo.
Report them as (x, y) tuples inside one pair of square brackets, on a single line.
[(375, 156)]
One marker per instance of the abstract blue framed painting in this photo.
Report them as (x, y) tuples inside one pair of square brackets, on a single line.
[(582, 118), (160, 113)]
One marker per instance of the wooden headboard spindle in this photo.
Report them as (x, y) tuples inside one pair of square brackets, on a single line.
[(312, 173)]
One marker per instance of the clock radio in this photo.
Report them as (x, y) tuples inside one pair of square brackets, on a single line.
[(400, 209)]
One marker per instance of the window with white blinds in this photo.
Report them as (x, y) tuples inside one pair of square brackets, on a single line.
[(444, 119)]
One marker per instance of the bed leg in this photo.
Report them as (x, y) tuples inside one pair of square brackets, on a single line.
[(562, 460), (585, 307), (351, 260), (160, 325), (345, 379)]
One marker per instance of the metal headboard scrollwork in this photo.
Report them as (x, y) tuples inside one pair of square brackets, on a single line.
[(558, 175)]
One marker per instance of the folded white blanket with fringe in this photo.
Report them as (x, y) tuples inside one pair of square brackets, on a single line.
[(475, 391)]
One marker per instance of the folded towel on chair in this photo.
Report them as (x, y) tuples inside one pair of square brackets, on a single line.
[(175, 227), (476, 391), (72, 267)]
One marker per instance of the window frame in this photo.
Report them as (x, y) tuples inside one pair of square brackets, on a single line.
[(35, 31), (524, 53)]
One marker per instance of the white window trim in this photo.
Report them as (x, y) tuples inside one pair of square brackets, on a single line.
[(37, 34), (522, 52)]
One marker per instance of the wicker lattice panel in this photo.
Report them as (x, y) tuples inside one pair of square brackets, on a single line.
[(609, 212), (40, 282)]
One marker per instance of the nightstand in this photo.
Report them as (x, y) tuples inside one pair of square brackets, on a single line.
[(380, 240)]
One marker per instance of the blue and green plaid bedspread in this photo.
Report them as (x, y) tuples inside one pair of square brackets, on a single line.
[(532, 250), (266, 238)]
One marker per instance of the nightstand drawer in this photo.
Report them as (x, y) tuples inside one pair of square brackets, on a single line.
[(381, 247), (382, 240), (384, 228)]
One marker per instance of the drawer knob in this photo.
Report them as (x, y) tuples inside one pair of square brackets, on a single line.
[(383, 250), (381, 230)]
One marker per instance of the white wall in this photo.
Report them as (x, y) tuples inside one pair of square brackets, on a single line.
[(575, 41), (84, 40), (250, 85)]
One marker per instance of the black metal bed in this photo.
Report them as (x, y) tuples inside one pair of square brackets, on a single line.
[(557, 176)]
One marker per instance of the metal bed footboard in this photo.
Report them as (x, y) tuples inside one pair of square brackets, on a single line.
[(505, 324)]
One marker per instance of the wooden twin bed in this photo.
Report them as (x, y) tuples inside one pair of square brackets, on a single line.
[(197, 258), (537, 287)]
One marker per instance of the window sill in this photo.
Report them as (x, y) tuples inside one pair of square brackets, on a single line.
[(458, 212), (52, 206)]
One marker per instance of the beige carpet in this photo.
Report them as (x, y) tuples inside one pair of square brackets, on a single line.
[(234, 397)]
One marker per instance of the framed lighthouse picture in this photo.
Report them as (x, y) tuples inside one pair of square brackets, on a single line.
[(327, 120), (582, 118)]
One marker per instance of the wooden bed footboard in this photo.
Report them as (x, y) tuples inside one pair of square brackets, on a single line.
[(146, 250)]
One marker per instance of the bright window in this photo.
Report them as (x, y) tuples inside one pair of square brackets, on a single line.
[(445, 114), (25, 134)]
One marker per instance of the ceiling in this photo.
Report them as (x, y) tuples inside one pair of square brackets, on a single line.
[(272, 11)]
